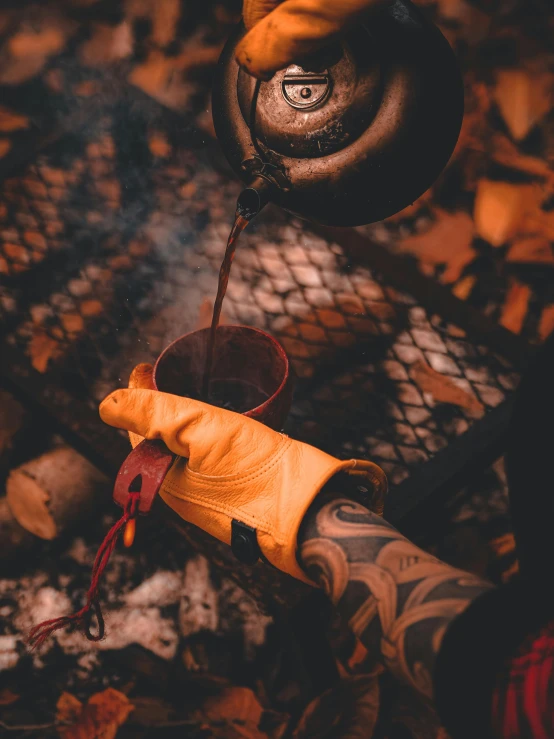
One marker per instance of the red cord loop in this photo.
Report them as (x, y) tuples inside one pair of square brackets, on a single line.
[(40, 633)]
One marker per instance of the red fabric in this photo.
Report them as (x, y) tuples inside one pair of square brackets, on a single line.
[(83, 618), (523, 702)]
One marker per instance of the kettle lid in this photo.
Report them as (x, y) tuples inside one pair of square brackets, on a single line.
[(318, 108)]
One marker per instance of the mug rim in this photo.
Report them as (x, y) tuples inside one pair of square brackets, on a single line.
[(280, 351)]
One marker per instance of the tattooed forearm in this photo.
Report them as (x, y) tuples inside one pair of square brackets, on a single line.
[(397, 599)]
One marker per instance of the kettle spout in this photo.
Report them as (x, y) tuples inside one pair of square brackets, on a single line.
[(253, 198)]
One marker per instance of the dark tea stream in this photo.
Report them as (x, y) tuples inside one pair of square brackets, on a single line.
[(238, 227)]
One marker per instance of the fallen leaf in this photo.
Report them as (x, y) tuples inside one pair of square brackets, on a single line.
[(463, 288), (107, 44), (531, 250), (506, 153), (444, 389), (233, 704), (447, 242), (232, 714), (166, 79), (72, 322), (539, 221), (68, 709), (7, 697), (523, 98), (99, 718), (546, 322), (500, 208), (5, 146), (348, 710), (54, 80), (12, 121), (503, 545), (515, 306), (42, 349), (159, 145)]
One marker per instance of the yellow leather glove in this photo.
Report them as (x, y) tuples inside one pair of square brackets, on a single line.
[(281, 33), (231, 467)]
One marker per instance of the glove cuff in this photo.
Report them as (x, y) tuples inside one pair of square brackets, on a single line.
[(284, 555)]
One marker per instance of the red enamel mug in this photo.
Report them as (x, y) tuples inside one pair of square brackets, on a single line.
[(250, 374)]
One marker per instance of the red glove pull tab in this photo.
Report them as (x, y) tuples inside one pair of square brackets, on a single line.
[(136, 485), (149, 460)]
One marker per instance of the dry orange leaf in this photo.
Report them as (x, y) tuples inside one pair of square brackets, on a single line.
[(523, 98), (159, 145), (12, 121), (73, 323), (444, 389), (506, 153), (99, 718), (546, 322), (235, 713), (42, 349), (5, 146), (68, 709), (531, 250), (165, 78), (447, 242), (503, 545), (539, 221), (500, 208), (348, 710), (515, 306), (8, 697), (463, 288), (91, 308)]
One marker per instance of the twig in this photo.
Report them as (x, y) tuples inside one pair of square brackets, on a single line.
[(28, 727)]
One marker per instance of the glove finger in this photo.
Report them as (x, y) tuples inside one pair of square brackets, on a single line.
[(155, 415), (295, 29), (254, 10), (142, 376)]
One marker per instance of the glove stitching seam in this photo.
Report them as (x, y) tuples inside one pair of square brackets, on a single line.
[(246, 477)]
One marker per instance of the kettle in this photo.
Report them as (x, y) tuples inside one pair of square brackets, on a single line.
[(352, 135)]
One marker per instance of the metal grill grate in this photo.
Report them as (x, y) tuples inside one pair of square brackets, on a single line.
[(111, 240)]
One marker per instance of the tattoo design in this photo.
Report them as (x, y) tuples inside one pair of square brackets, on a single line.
[(398, 600)]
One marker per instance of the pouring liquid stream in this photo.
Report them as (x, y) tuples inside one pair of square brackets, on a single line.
[(238, 227)]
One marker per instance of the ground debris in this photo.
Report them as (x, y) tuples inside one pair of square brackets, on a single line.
[(515, 306), (99, 718)]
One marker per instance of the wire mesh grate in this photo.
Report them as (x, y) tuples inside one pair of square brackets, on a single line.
[(107, 255)]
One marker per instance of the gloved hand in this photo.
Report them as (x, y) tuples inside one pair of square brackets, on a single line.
[(231, 467), (281, 33)]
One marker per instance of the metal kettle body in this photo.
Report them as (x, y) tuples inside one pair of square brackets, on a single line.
[(354, 135)]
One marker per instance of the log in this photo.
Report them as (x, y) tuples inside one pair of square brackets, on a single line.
[(52, 493)]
